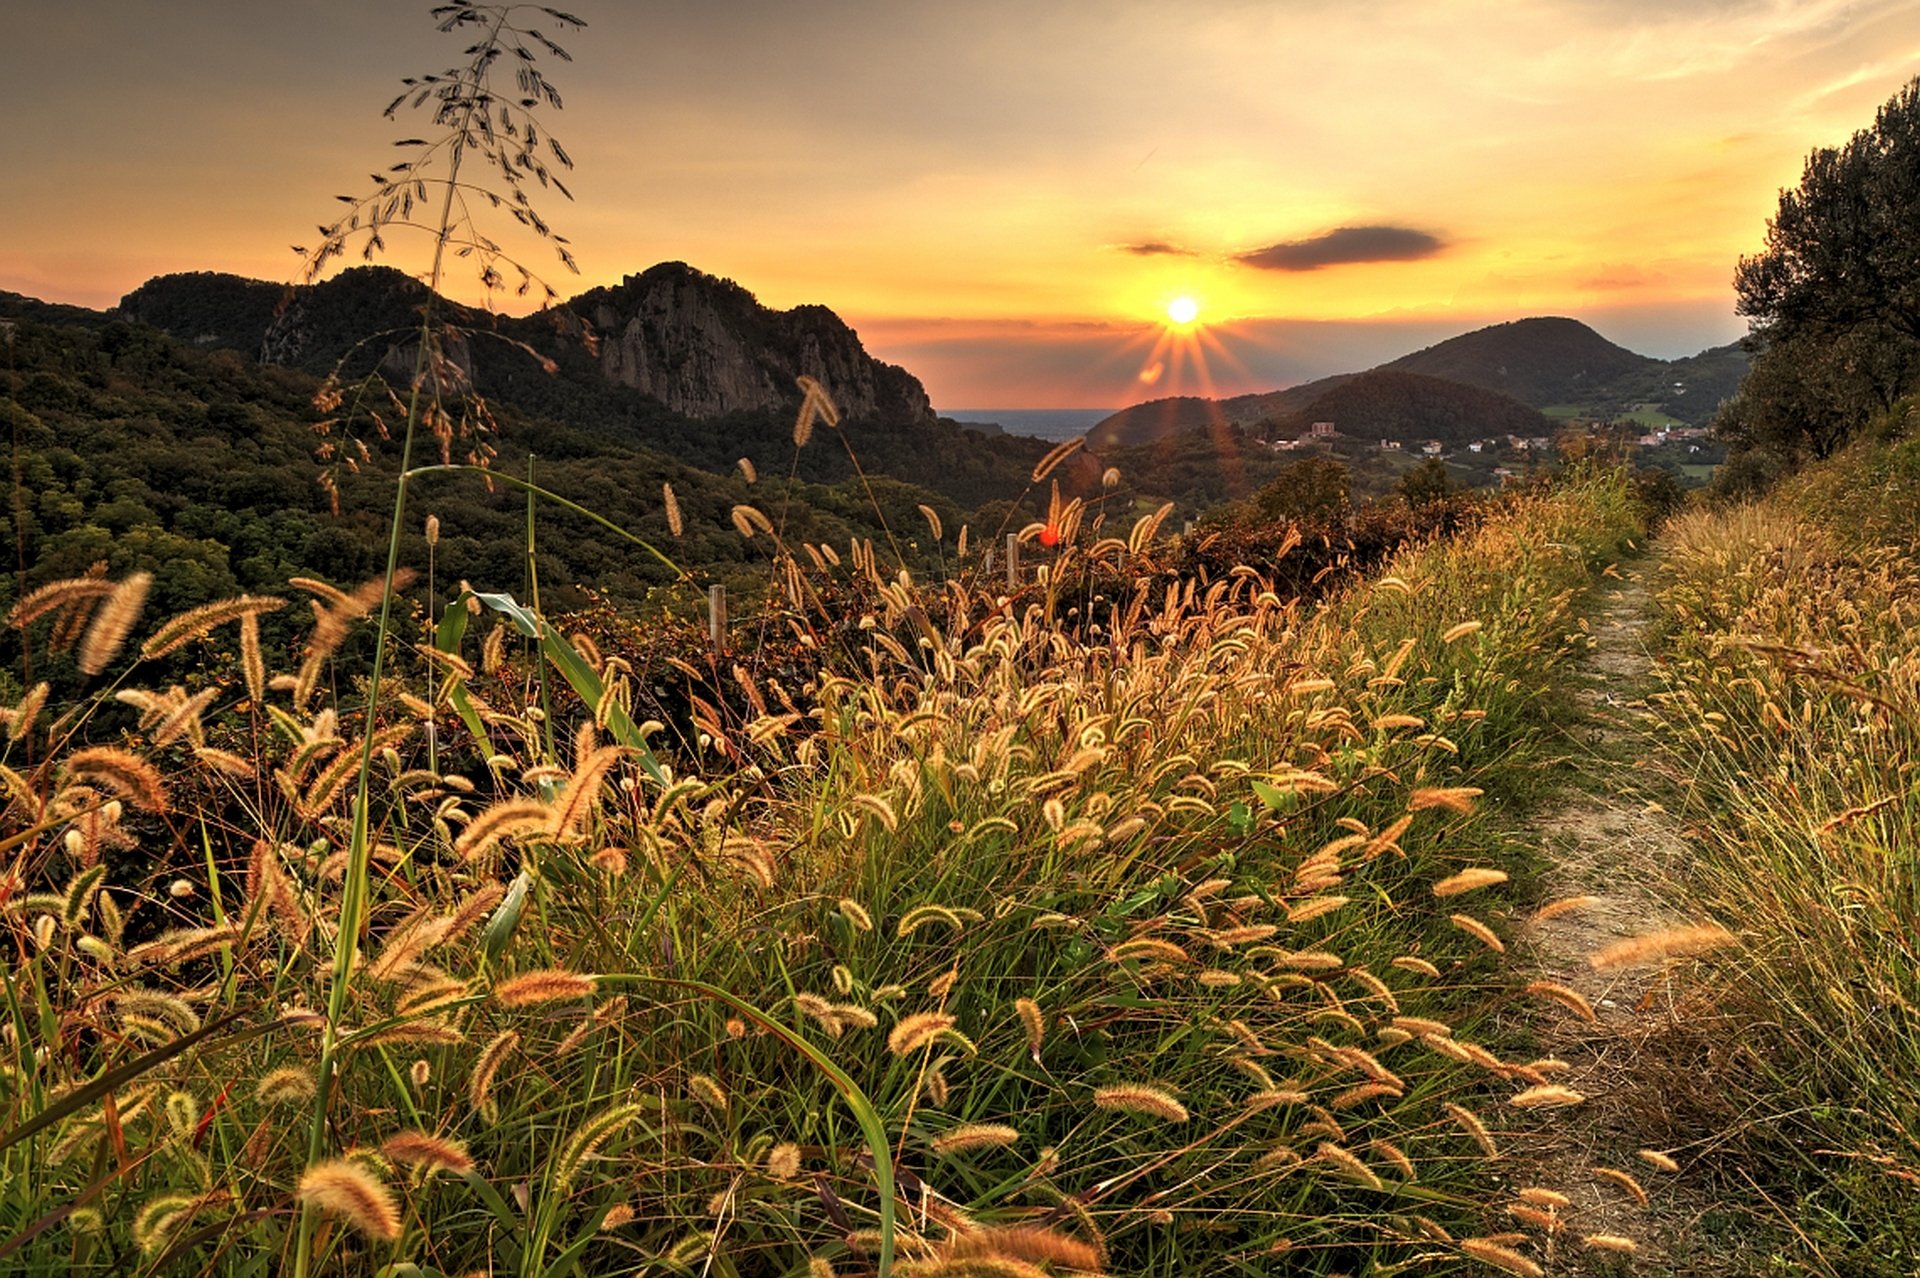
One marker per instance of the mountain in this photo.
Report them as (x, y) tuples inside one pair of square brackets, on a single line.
[(1540, 361), (701, 346), (705, 347)]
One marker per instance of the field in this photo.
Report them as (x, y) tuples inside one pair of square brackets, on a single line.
[(1164, 940)]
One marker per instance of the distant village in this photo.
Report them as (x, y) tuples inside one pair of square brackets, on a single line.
[(1688, 450)]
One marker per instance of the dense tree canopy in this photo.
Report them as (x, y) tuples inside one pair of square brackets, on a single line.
[(1844, 248), (1834, 300)]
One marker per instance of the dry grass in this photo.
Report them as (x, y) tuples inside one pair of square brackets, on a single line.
[(1126, 936)]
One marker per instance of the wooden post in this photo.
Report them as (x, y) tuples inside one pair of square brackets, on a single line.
[(989, 563), (1188, 530), (717, 617), (1013, 561)]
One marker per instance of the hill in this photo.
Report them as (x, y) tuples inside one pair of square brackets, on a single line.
[(1541, 362), (1391, 404), (1537, 361)]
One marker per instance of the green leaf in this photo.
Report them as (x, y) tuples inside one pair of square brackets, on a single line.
[(574, 668)]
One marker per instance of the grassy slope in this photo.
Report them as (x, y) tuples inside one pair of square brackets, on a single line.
[(1195, 853), (1793, 704)]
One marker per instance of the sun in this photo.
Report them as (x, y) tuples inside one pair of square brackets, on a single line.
[(1183, 310)]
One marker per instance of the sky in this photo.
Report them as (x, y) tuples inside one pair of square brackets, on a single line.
[(1003, 196)]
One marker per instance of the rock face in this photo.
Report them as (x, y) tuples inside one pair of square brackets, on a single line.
[(705, 347)]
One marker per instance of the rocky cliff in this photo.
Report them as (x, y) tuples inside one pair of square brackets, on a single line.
[(704, 346), (701, 345)]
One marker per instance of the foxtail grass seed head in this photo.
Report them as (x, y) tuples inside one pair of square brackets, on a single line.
[(1610, 1242), (546, 985), (1654, 1158), (113, 621), (1141, 1099), (917, 1031), (1568, 997), (1546, 1095), (972, 1136), (704, 1089), (487, 1065), (675, 524), (346, 1190), (1479, 931), (1565, 905), (1624, 1180), (288, 1085), (1501, 1257), (1658, 947), (1470, 1123), (1468, 880), (783, 1161), (433, 531), (1454, 799), (428, 1152)]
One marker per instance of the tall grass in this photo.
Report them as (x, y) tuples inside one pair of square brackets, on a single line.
[(1142, 946), (1793, 701)]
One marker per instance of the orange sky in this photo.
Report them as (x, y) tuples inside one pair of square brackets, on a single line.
[(1003, 195)]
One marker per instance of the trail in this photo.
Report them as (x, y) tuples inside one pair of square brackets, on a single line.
[(1608, 836)]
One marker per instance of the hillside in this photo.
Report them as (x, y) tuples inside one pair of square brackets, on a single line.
[(1537, 361), (1391, 404), (672, 361), (1540, 363)]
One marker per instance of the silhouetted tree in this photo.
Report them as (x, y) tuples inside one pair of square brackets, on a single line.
[(1833, 303)]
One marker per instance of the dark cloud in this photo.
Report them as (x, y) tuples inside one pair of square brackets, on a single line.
[(1157, 248), (1344, 245)]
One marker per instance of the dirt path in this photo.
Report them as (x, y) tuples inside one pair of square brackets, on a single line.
[(1609, 837)]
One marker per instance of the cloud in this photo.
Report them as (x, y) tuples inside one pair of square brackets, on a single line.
[(1345, 245), (1157, 248)]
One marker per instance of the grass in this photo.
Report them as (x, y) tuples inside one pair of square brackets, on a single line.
[(1793, 704), (1093, 942)]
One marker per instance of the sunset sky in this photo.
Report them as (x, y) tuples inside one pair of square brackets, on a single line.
[(1004, 196)]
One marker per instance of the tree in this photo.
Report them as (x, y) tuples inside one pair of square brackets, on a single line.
[(1833, 303), (1427, 482), (1308, 489), (1844, 248)]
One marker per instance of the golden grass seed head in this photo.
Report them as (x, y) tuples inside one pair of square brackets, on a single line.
[(545, 985), (971, 1136), (1469, 880), (1565, 905), (344, 1189), (1654, 1158), (1479, 931), (1033, 1021), (708, 1092), (1546, 1096), (428, 1152), (1657, 947), (1347, 1165), (783, 1161), (1470, 1123), (917, 1031), (1501, 1257), (1141, 1099), (1624, 1180), (487, 1065), (1610, 1242)]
